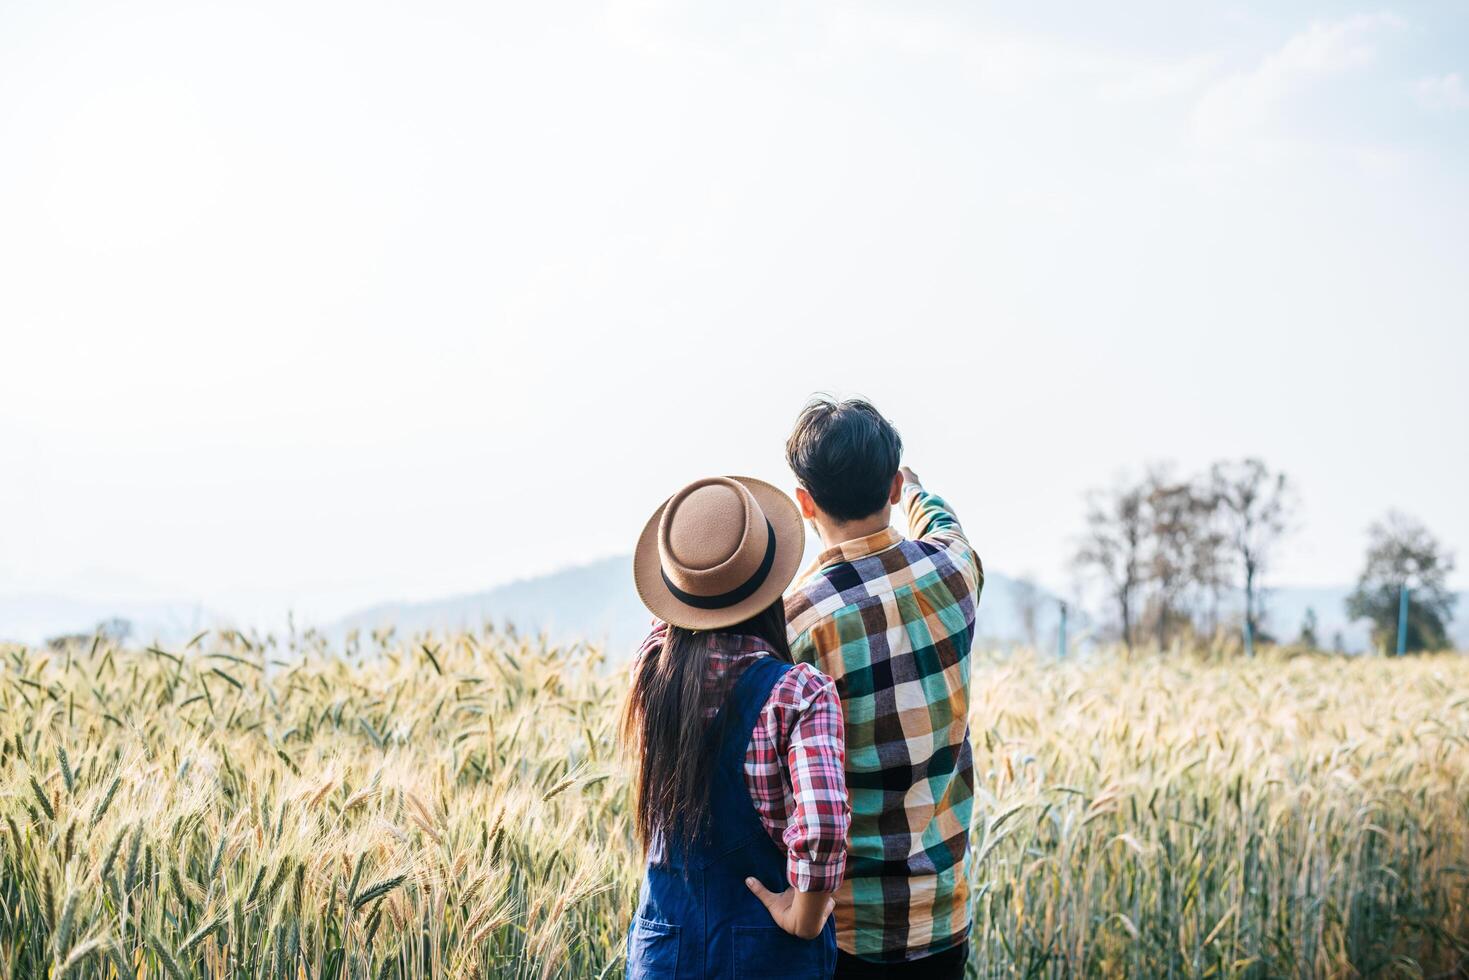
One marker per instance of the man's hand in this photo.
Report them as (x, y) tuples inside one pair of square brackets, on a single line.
[(802, 914), (910, 477)]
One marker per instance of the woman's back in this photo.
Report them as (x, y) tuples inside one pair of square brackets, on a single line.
[(695, 916)]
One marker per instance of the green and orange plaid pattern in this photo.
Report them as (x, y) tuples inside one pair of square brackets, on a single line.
[(891, 621)]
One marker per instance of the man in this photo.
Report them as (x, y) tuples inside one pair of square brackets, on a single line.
[(891, 621)]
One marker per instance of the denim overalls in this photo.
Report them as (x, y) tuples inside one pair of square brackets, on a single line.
[(700, 920)]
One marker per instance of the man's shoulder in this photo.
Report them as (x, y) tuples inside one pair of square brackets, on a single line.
[(819, 595), (802, 601)]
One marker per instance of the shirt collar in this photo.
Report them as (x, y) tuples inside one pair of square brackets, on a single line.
[(737, 644), (859, 547)]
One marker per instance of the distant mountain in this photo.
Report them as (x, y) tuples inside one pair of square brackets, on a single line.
[(594, 602), (597, 602), (33, 619)]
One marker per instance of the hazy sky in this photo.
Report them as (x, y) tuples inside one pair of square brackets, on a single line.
[(307, 304)]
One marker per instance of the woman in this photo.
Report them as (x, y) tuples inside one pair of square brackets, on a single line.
[(741, 799)]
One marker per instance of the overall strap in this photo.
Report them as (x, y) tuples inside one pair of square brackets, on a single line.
[(742, 708), (734, 819)]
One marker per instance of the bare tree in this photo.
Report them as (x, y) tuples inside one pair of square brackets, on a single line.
[(1210, 557), (1255, 505), (1169, 547), (1180, 546), (1113, 548)]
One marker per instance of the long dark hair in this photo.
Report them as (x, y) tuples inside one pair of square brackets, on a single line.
[(666, 722)]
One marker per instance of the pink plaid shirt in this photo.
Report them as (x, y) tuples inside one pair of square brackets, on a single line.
[(795, 766)]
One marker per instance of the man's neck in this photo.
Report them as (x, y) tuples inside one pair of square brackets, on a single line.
[(832, 533)]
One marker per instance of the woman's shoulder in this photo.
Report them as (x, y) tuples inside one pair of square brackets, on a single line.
[(802, 685), (803, 707)]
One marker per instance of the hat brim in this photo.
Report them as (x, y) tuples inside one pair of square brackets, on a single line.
[(790, 546)]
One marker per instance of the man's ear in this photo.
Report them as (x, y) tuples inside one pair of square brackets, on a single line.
[(896, 494), (807, 503)]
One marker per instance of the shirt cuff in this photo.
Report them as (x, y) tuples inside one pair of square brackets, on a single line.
[(815, 876)]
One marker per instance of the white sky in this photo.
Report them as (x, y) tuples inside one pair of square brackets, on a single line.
[(308, 304)]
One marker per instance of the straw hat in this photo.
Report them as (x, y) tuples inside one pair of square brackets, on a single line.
[(718, 552)]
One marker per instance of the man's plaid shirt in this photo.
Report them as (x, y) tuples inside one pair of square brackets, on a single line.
[(891, 620)]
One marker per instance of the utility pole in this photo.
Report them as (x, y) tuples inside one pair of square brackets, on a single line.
[(1061, 638), (1249, 630)]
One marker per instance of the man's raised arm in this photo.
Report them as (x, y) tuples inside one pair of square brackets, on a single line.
[(931, 519)]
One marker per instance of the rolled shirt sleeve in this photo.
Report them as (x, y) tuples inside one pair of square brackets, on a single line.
[(815, 835)]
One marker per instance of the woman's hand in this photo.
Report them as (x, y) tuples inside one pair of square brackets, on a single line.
[(802, 914)]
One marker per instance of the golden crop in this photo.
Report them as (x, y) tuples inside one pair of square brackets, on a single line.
[(455, 808)]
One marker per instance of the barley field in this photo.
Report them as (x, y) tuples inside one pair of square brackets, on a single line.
[(455, 807)]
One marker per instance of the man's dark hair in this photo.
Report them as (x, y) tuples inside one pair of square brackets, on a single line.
[(846, 454)]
